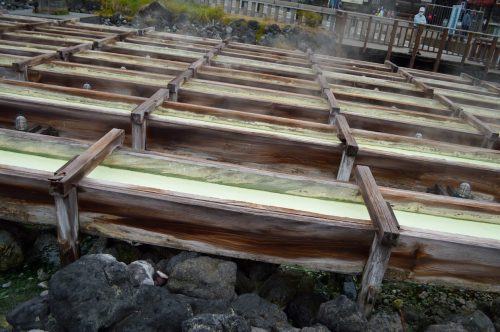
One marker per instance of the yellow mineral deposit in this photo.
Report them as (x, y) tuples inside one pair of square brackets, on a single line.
[(104, 73), (421, 222), (222, 59), (222, 89)]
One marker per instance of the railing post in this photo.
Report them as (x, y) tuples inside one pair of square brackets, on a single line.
[(391, 41), (416, 46), (489, 55), (442, 44), (368, 31), (467, 47), (340, 23)]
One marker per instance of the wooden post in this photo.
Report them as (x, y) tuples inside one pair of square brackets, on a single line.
[(416, 46), (340, 23), (442, 44), (368, 31), (428, 91), (140, 115), (386, 236), (333, 105), (63, 187), (467, 48), (350, 148), (391, 41), (489, 55), (68, 226)]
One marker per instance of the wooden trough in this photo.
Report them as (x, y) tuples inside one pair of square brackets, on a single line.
[(281, 156)]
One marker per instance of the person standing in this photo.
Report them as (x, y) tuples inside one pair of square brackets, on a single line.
[(418, 19), (466, 20)]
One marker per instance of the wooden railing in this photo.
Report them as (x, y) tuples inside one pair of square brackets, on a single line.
[(369, 29)]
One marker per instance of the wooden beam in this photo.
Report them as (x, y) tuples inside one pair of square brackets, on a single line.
[(490, 137), (70, 174), (450, 104), (380, 213), (428, 91), (334, 107), (350, 148), (386, 236), (470, 35), (139, 118), (22, 66), (368, 31)]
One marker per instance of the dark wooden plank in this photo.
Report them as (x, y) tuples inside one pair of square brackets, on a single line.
[(391, 41), (36, 60), (381, 214), (70, 174), (344, 135), (66, 52)]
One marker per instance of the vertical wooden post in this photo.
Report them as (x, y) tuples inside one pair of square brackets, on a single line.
[(467, 48), (268, 10), (68, 226), (442, 44), (368, 31), (350, 148), (416, 46), (340, 23), (391, 41), (386, 236), (139, 133), (489, 55)]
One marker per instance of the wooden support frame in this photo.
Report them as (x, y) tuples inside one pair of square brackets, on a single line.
[(442, 44), (368, 31), (350, 148), (63, 187), (66, 52), (386, 236), (139, 117), (451, 105), (334, 107)]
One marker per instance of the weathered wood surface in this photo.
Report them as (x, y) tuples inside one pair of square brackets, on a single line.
[(318, 243)]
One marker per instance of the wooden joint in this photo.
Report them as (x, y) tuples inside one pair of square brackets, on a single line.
[(98, 44), (174, 85), (334, 107), (149, 105), (209, 55), (195, 66), (474, 80), (478, 124), (428, 91), (391, 65), (448, 103), (317, 69), (381, 213), (76, 169), (344, 135), (409, 77), (66, 52)]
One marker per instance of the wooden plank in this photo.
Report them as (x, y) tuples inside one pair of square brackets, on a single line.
[(21, 66), (380, 213), (334, 107), (68, 176), (175, 84), (450, 104), (344, 135), (368, 31), (392, 65)]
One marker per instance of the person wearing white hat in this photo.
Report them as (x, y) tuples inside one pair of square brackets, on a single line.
[(419, 18)]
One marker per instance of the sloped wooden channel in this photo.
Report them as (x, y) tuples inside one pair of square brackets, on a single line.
[(238, 148)]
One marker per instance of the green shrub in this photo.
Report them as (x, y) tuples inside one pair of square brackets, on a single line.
[(311, 19), (194, 11)]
